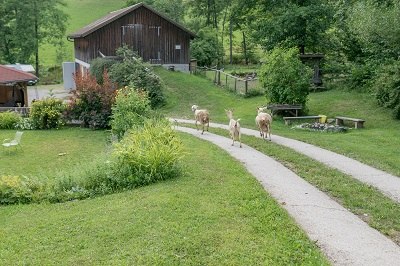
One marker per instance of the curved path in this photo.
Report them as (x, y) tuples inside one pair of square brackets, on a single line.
[(342, 236), (386, 183)]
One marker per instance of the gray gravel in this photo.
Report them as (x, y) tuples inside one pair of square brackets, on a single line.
[(343, 237)]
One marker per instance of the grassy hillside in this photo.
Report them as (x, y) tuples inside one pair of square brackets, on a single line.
[(377, 145), (81, 13)]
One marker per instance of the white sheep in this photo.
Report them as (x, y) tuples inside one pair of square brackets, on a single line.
[(201, 116), (234, 128), (263, 121)]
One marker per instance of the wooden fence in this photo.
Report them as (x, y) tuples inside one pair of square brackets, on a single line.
[(244, 86)]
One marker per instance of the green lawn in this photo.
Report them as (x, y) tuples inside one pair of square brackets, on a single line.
[(378, 144), (49, 151), (214, 215)]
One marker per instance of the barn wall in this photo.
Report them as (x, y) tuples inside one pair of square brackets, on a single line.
[(155, 38)]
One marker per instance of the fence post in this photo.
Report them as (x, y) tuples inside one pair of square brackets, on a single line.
[(215, 76), (226, 80), (235, 83), (219, 77), (245, 86)]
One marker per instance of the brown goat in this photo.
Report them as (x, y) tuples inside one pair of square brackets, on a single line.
[(263, 121), (201, 116)]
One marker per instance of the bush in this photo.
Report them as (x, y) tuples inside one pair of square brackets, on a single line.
[(134, 73), (98, 66), (284, 77), (17, 189), (147, 154), (360, 76), (206, 48), (8, 120), (91, 103), (130, 109), (24, 124), (387, 87), (47, 113)]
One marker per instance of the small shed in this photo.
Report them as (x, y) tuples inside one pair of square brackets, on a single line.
[(155, 37), (13, 87)]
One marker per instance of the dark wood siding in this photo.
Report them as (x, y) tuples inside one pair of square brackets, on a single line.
[(142, 30)]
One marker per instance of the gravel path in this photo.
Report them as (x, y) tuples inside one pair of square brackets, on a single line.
[(386, 183), (342, 236)]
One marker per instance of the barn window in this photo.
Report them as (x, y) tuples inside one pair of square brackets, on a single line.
[(177, 47)]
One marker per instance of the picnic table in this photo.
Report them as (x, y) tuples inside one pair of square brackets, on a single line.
[(291, 108)]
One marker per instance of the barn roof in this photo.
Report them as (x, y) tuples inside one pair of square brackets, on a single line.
[(11, 75), (114, 15)]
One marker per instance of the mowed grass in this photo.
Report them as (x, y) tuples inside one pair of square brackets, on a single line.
[(378, 144), (45, 152), (81, 13), (215, 214), (365, 201)]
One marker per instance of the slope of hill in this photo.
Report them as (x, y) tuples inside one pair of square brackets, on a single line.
[(80, 14)]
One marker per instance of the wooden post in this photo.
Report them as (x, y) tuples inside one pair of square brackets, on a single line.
[(235, 83), (219, 77), (226, 80), (246, 86)]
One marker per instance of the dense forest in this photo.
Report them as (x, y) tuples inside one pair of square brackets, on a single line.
[(360, 39)]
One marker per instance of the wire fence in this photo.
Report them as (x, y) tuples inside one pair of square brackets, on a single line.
[(247, 86)]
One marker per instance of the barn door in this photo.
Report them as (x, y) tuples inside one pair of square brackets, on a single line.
[(145, 40), (132, 36), (155, 54)]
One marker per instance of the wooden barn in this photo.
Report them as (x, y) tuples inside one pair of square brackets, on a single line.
[(156, 38), (13, 87)]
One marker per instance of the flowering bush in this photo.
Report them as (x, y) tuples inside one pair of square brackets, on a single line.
[(17, 189), (47, 113), (91, 103)]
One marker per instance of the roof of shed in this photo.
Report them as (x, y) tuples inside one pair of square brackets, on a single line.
[(11, 75), (114, 15)]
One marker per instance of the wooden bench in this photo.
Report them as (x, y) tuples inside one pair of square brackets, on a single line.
[(292, 108), (358, 123), (288, 120)]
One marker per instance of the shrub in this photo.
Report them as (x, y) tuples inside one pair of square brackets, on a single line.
[(98, 66), (206, 48), (17, 189), (131, 108), (387, 87), (147, 154), (8, 120), (91, 103), (134, 73), (24, 124), (360, 76), (284, 77), (47, 113)]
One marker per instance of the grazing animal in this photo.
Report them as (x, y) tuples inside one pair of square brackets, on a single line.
[(202, 116), (234, 128), (263, 121)]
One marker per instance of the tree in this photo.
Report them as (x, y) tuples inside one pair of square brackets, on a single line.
[(284, 77), (300, 23), (173, 9), (374, 27), (28, 24)]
